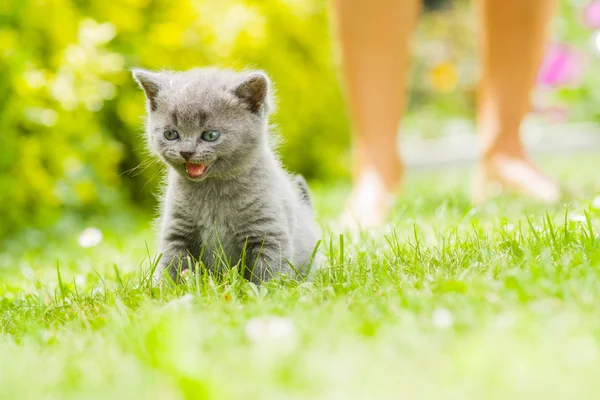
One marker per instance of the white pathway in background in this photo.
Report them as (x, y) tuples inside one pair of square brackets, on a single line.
[(538, 138)]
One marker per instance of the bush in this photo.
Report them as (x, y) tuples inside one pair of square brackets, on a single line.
[(71, 114)]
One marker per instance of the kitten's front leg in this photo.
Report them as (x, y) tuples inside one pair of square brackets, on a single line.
[(179, 244), (266, 256)]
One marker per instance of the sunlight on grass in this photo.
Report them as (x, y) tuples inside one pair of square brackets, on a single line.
[(450, 300)]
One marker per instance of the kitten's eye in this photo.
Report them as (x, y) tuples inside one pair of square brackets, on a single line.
[(171, 134), (210, 136)]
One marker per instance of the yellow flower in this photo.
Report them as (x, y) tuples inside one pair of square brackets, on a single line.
[(444, 77)]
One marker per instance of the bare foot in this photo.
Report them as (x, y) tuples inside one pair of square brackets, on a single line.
[(503, 173), (370, 202)]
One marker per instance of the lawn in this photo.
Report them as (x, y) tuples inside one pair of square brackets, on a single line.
[(450, 301)]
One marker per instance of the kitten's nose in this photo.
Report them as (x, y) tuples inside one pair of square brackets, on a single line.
[(186, 154)]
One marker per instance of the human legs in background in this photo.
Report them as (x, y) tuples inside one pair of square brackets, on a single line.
[(513, 36), (375, 40)]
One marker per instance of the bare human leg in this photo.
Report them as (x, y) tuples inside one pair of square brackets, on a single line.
[(513, 37), (375, 41)]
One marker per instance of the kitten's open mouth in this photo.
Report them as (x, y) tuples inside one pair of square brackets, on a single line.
[(196, 171)]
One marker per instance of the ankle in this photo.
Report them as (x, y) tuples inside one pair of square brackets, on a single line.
[(387, 173), (493, 153)]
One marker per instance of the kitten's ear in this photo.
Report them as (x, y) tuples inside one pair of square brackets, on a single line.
[(253, 91), (151, 83)]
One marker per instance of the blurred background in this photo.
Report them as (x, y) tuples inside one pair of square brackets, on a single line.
[(71, 116)]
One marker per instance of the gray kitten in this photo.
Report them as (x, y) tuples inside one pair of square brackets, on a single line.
[(228, 200)]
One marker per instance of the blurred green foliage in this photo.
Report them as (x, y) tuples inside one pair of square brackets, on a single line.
[(71, 116)]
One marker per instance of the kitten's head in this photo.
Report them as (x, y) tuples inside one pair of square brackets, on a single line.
[(206, 123)]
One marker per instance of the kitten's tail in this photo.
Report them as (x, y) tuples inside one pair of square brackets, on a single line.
[(303, 189)]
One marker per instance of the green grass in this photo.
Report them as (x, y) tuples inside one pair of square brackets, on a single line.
[(450, 301)]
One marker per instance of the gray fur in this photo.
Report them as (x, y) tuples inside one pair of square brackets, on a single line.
[(246, 200)]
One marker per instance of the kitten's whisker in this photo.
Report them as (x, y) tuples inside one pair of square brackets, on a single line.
[(142, 166), (151, 179)]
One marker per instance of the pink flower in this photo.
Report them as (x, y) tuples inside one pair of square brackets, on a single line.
[(591, 14), (562, 65)]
